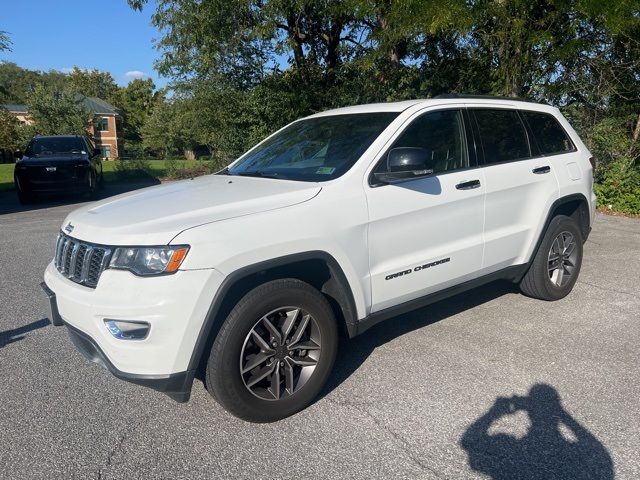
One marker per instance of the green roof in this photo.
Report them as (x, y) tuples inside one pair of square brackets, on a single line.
[(93, 104), (97, 105), (15, 108)]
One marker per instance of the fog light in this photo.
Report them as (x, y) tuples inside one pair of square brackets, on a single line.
[(127, 330)]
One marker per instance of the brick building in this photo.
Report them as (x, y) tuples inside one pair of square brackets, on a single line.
[(105, 130)]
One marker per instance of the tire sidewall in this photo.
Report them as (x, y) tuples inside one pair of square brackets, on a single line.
[(228, 387)]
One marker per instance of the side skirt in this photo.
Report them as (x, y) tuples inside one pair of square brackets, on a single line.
[(513, 273)]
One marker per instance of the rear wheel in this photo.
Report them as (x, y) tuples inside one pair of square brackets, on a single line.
[(274, 352), (556, 266)]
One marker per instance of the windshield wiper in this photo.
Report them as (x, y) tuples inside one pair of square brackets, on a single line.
[(260, 174)]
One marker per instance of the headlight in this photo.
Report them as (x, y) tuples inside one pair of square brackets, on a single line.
[(149, 260)]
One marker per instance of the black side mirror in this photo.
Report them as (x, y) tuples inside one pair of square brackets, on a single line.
[(17, 154), (97, 151), (405, 163)]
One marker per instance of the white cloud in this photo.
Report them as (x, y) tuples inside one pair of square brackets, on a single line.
[(133, 74), (66, 70)]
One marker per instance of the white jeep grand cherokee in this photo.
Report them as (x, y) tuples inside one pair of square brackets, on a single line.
[(333, 223)]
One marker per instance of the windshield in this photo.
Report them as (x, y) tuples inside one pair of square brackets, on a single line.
[(317, 149), (52, 146)]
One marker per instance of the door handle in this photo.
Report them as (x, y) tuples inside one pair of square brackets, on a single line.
[(468, 185), (540, 170)]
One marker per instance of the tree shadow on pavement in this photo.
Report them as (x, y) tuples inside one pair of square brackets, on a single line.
[(11, 336), (555, 446), (353, 352), (9, 200)]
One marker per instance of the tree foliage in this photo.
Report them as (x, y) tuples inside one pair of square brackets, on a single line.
[(243, 68), (56, 112), (92, 83), (9, 131)]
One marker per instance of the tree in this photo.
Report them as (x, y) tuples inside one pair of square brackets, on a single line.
[(92, 83), (136, 102), (57, 112), (5, 41), (9, 131)]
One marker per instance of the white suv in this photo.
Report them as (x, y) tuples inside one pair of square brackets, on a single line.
[(333, 223)]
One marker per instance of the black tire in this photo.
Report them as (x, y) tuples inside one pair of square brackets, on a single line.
[(92, 187), (223, 377), (537, 282), (23, 197)]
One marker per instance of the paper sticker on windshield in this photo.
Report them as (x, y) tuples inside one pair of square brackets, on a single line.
[(325, 170)]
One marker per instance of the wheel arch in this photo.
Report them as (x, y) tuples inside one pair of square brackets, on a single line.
[(575, 206), (318, 268)]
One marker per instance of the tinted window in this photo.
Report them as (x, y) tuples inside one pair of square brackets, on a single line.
[(53, 145), (550, 136), (102, 125), (503, 135), (441, 133), (316, 149)]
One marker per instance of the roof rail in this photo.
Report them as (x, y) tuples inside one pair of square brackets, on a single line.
[(485, 97)]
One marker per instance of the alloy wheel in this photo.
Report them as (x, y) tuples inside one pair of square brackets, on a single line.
[(562, 259), (280, 353)]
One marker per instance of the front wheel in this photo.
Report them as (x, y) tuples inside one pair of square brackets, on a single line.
[(556, 266), (274, 352), (23, 197)]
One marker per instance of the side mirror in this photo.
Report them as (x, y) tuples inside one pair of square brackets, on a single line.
[(96, 152), (17, 154), (405, 163)]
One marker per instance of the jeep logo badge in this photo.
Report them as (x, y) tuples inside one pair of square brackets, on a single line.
[(51, 169), (69, 228)]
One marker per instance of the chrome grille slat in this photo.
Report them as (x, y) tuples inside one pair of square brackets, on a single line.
[(81, 262), (59, 242), (72, 260), (63, 258), (86, 261)]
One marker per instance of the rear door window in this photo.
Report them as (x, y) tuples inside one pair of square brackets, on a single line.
[(549, 134), (503, 135)]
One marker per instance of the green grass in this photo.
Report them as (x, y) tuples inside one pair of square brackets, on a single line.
[(156, 169), (153, 168), (6, 176)]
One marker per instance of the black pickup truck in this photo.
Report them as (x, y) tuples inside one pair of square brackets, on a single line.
[(57, 164)]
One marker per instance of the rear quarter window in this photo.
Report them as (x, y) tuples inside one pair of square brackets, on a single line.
[(550, 137)]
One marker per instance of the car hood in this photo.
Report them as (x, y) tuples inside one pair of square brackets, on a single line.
[(155, 215)]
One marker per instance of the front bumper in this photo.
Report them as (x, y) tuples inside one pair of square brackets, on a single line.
[(175, 306)]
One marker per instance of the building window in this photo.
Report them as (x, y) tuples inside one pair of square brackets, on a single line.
[(106, 151), (102, 125)]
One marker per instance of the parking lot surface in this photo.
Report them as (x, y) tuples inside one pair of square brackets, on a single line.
[(488, 384)]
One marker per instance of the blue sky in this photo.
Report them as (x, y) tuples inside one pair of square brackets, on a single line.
[(61, 34)]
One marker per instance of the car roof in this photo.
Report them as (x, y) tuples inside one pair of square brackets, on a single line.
[(57, 136), (440, 100)]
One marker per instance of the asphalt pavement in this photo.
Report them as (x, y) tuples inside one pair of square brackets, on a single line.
[(488, 384)]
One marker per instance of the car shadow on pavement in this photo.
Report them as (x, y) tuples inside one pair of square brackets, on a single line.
[(555, 446), (9, 200), (353, 352), (16, 334)]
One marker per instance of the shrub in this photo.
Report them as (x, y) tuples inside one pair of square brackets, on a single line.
[(618, 187), (133, 169)]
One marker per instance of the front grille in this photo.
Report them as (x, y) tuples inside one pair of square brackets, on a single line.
[(81, 262)]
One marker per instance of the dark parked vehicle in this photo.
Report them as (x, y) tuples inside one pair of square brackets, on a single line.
[(58, 164)]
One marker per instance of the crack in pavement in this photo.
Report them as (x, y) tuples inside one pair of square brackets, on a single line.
[(397, 438), (118, 446), (608, 289)]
